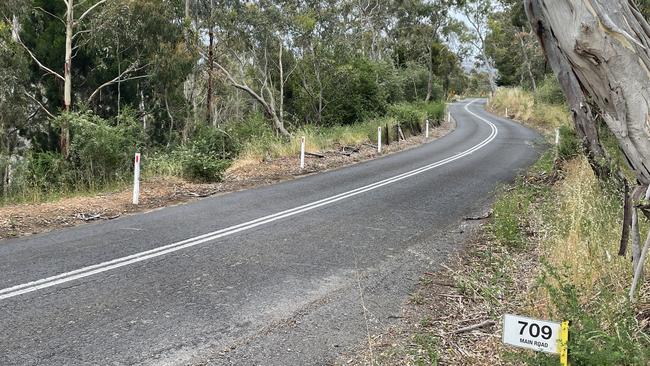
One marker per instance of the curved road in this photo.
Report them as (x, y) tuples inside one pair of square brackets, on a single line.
[(296, 273)]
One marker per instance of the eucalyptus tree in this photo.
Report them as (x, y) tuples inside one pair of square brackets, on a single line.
[(477, 14), (420, 30), (251, 38), (14, 105), (599, 51), (72, 20)]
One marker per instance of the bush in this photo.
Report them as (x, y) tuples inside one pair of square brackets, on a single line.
[(204, 159), (569, 146), (435, 112), (411, 116), (408, 116), (549, 91), (359, 89), (201, 167), (101, 153), (518, 102), (45, 172), (214, 142)]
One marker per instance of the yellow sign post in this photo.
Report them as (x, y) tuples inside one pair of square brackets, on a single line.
[(564, 343)]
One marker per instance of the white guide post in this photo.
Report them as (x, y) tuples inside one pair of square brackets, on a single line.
[(302, 152), (448, 117), (136, 179), (426, 134), (506, 112), (557, 136), (379, 139)]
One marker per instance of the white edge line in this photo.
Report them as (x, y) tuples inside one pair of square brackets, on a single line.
[(187, 243)]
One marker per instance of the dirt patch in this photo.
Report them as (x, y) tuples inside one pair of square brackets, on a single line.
[(28, 219)]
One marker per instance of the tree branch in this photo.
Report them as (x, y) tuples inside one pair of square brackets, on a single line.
[(50, 14), (40, 105), (120, 78), (89, 11), (40, 64)]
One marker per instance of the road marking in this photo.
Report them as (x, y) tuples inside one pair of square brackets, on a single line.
[(187, 243)]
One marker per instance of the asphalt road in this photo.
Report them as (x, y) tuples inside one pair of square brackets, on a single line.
[(296, 273)]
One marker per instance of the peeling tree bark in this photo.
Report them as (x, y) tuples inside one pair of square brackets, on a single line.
[(600, 52)]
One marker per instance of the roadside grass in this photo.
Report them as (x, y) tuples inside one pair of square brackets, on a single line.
[(26, 193), (410, 116), (573, 228), (530, 109), (582, 279)]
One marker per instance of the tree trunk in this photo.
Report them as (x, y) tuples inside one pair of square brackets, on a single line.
[(598, 50), (491, 68), (67, 75), (143, 109), (210, 73), (15, 28), (6, 178), (430, 76), (281, 83), (527, 61)]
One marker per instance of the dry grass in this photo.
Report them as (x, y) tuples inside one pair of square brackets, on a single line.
[(523, 107), (583, 226), (316, 140)]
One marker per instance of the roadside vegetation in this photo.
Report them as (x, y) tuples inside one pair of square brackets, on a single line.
[(238, 84), (548, 250)]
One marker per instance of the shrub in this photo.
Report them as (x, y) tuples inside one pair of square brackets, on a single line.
[(204, 159), (359, 89), (101, 153), (519, 103), (435, 112), (569, 146), (549, 91), (411, 116), (45, 172), (202, 167), (214, 142), (408, 116)]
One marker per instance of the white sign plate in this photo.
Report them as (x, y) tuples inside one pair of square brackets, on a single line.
[(538, 335)]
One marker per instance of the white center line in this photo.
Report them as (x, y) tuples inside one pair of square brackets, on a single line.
[(187, 243)]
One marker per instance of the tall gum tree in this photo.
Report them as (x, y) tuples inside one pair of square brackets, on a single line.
[(600, 52), (76, 13)]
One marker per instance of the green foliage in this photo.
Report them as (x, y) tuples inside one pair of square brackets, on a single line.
[(336, 73), (360, 89), (593, 341), (569, 146), (204, 159), (201, 167), (510, 216), (426, 352), (99, 151), (508, 225), (549, 91), (101, 155), (411, 116)]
